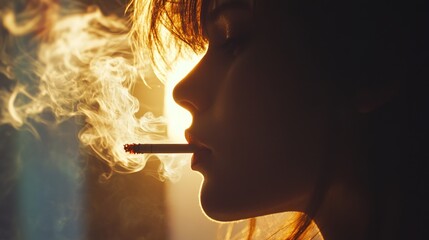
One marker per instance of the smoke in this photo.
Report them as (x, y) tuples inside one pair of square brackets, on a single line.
[(78, 64)]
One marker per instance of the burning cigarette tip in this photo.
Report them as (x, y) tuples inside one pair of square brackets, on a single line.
[(131, 148)]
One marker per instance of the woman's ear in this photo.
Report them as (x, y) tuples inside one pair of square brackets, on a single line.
[(369, 99)]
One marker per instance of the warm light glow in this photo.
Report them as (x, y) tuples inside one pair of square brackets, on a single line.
[(178, 119)]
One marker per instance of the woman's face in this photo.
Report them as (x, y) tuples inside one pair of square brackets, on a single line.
[(260, 114)]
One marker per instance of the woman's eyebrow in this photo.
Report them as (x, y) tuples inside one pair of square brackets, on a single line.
[(217, 10)]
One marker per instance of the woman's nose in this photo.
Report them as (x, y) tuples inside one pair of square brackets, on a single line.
[(195, 91), (186, 96)]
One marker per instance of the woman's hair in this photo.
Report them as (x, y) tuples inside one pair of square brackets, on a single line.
[(164, 31), (365, 44)]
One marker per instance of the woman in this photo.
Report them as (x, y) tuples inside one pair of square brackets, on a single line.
[(307, 107)]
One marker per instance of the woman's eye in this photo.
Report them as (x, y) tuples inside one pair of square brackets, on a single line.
[(229, 29)]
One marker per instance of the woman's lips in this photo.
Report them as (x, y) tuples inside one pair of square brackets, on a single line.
[(202, 153), (200, 159)]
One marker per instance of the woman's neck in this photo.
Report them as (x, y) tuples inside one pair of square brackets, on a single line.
[(344, 214)]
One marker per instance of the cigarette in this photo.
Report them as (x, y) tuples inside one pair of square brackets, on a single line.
[(136, 148)]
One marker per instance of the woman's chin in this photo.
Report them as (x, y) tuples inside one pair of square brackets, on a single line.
[(221, 206), (221, 215), (213, 203)]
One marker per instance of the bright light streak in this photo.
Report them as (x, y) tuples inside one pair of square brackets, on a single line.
[(177, 117)]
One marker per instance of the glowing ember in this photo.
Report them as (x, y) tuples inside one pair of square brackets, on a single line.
[(130, 148)]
